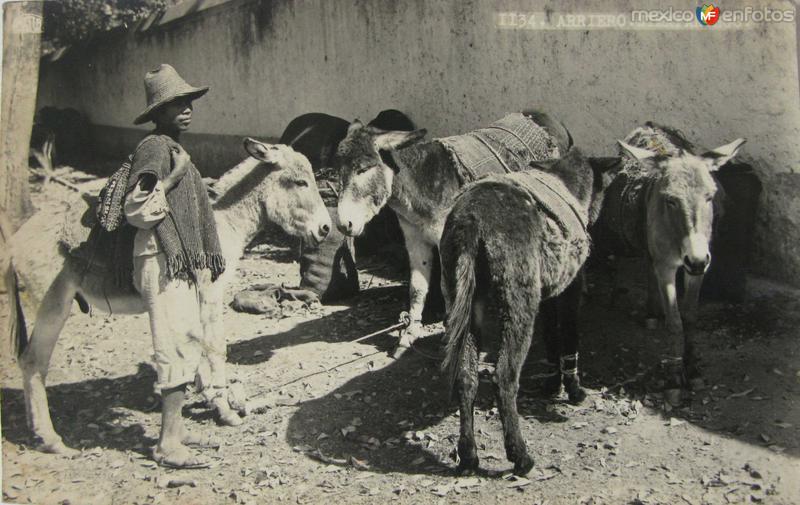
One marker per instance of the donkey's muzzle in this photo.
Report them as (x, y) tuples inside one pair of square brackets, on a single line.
[(695, 267), (320, 233), (349, 229)]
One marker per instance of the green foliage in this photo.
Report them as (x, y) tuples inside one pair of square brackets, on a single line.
[(69, 21)]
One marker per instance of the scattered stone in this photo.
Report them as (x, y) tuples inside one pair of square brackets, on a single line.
[(173, 483), (441, 491), (358, 464), (752, 471)]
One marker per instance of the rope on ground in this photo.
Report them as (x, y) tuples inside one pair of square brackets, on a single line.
[(262, 404)]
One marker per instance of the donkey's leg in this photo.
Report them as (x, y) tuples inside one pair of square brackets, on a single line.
[(691, 296), (53, 313), (654, 308), (568, 306), (420, 256), (212, 375), (673, 356), (516, 339), (467, 391), (548, 315)]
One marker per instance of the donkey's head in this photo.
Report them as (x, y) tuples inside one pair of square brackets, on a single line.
[(679, 206), (287, 191), (365, 180)]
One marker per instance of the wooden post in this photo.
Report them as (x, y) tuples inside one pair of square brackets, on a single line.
[(22, 30)]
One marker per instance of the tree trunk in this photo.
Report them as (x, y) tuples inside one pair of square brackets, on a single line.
[(22, 23)]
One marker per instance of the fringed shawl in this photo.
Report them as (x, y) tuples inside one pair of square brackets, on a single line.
[(188, 235)]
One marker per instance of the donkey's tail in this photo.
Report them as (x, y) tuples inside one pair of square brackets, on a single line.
[(17, 329), (458, 321)]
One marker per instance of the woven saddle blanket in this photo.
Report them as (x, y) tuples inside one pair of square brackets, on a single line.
[(508, 144), (554, 199), (85, 242)]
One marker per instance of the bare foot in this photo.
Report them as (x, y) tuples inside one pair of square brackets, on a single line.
[(179, 457), (201, 441)]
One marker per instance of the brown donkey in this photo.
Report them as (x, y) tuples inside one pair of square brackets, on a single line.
[(510, 243), (661, 206), (418, 181)]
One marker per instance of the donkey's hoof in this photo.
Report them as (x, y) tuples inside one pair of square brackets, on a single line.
[(673, 396), (57, 447), (697, 384), (230, 418), (237, 398), (410, 334), (523, 466), (467, 467), (575, 394), (399, 351), (226, 416)]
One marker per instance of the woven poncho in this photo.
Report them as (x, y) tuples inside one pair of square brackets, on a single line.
[(188, 236)]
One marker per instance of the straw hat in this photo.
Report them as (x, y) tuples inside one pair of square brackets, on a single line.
[(162, 85)]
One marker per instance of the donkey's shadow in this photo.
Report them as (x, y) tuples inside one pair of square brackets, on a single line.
[(404, 406), (90, 413)]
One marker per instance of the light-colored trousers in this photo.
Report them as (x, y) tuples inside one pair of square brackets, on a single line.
[(185, 341)]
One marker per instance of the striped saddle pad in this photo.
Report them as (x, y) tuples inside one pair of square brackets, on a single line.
[(508, 144)]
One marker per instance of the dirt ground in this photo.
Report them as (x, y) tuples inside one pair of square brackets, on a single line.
[(342, 421)]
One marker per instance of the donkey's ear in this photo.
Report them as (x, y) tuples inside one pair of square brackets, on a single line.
[(722, 155), (636, 152), (605, 164), (397, 139), (355, 125), (545, 165), (261, 151)]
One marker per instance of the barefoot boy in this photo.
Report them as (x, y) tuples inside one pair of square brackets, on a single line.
[(176, 251)]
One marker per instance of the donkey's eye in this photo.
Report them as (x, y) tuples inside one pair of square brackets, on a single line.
[(301, 183), (361, 170), (672, 202), (709, 198)]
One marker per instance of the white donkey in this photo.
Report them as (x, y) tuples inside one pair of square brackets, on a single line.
[(275, 185)]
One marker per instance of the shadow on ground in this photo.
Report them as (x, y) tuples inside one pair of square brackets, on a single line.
[(744, 352), (90, 413), (371, 310)]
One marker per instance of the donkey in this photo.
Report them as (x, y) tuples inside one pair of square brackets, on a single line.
[(419, 182), (316, 135), (510, 243), (661, 207), (275, 184)]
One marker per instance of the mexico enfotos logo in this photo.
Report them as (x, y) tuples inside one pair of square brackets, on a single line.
[(705, 15)]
